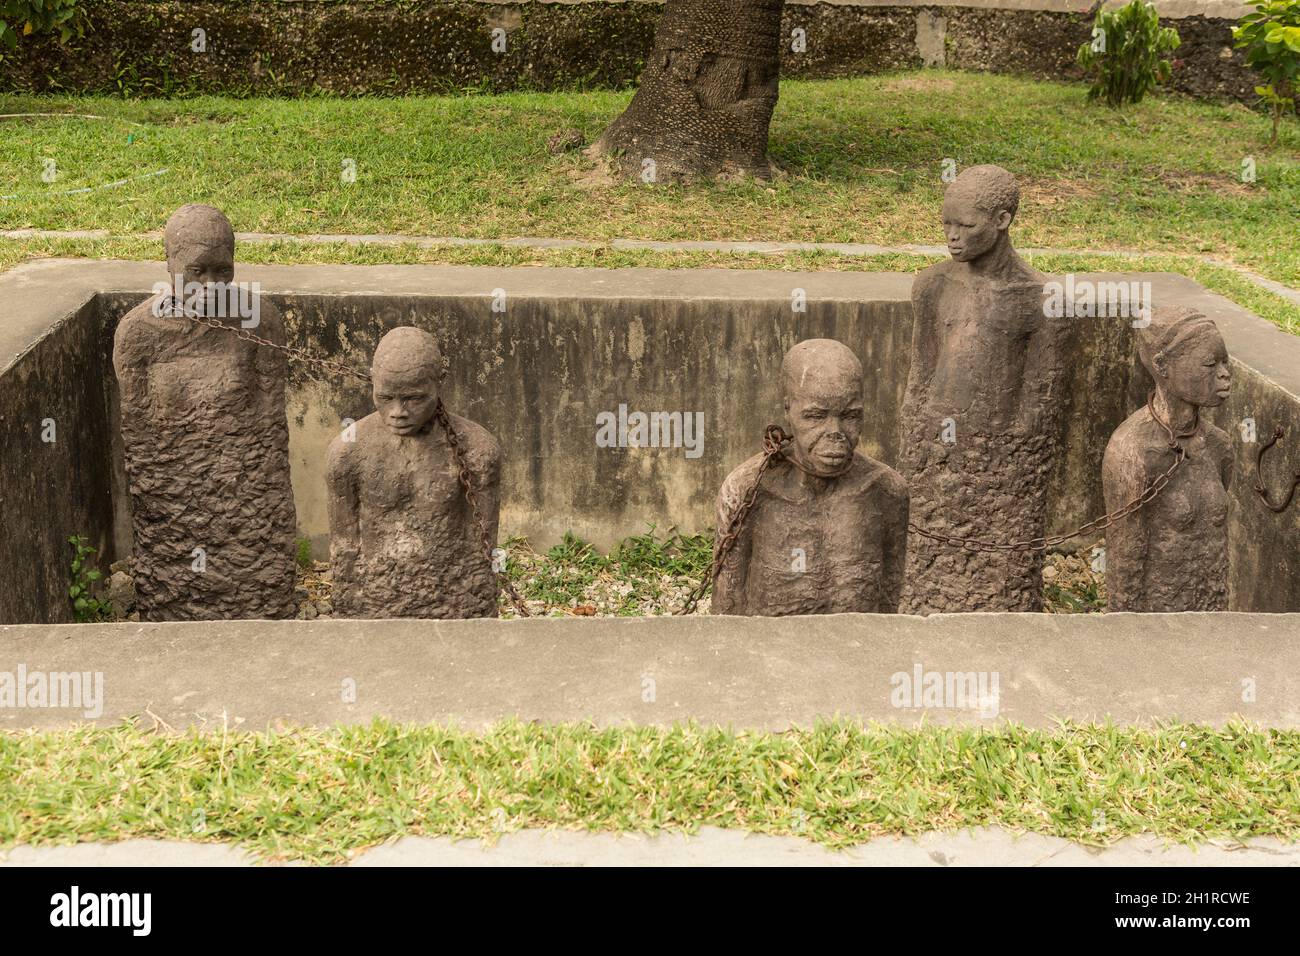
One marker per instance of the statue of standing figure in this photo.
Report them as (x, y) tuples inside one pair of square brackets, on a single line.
[(982, 408), (206, 439), (404, 538), (827, 532), (1172, 554)]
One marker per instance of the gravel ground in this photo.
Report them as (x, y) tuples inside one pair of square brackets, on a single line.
[(574, 581)]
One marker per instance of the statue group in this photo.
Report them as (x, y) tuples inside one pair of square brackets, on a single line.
[(810, 526)]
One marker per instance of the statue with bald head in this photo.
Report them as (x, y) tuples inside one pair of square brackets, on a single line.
[(982, 408), (403, 538), (828, 530), (1172, 554), (205, 437)]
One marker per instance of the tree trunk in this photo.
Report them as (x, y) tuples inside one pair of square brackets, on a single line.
[(706, 96)]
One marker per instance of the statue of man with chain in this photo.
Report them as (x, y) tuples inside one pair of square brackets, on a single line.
[(1172, 554), (827, 529), (205, 436), (406, 538), (982, 408)]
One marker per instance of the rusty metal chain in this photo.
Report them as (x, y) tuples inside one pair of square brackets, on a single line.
[(1260, 489), (295, 354), (775, 440), (440, 415), (1149, 494)]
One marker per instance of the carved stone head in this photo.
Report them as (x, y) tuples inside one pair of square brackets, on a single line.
[(1185, 354), (978, 210), (406, 372), (200, 245), (821, 380)]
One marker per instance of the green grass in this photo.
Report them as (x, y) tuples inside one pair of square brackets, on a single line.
[(321, 795), (863, 158), (633, 579)]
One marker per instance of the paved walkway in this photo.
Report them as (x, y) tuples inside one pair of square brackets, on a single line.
[(650, 245), (710, 847)]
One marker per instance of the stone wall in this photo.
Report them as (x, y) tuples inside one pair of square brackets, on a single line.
[(354, 47)]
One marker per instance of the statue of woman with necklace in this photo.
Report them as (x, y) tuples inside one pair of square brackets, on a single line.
[(1172, 553)]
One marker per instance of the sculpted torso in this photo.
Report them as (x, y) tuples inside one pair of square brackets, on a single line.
[(206, 443), (1172, 555), (846, 536), (980, 351), (405, 540)]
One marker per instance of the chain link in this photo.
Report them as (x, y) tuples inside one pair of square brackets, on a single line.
[(304, 357)]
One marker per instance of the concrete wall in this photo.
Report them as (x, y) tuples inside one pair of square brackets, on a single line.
[(746, 673), (270, 47), (573, 343), (54, 384)]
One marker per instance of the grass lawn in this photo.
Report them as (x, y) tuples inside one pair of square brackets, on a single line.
[(319, 795), (863, 159)]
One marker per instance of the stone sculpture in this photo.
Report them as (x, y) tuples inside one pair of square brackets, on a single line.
[(404, 539), (1172, 554), (828, 529), (205, 437), (981, 410)]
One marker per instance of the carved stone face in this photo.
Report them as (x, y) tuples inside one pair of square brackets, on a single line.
[(201, 263), (1197, 370), (971, 232), (825, 414), (405, 398)]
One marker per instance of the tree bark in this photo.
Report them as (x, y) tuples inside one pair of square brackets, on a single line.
[(706, 95)]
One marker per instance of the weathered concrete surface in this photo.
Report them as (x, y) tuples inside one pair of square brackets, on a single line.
[(57, 430), (763, 673), (711, 846), (264, 47), (573, 343)]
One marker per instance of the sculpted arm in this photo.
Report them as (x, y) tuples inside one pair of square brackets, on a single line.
[(488, 485), (345, 521), (271, 364), (729, 586), (895, 548), (1042, 397), (1123, 477), (926, 330), (131, 357)]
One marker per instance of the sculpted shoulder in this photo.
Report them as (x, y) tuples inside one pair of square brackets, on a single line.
[(930, 278), (871, 476), (270, 323), (138, 334), (342, 453), (482, 450), (1129, 444), (738, 484)]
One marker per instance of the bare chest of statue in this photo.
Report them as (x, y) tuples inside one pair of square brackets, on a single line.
[(984, 332), (410, 499), (815, 552)]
